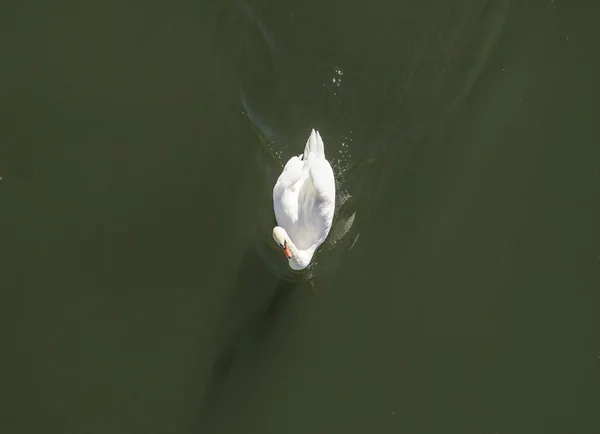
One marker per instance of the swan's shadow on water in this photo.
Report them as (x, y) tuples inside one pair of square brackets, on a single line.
[(254, 313)]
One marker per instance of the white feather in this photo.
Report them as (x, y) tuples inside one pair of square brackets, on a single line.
[(304, 201)]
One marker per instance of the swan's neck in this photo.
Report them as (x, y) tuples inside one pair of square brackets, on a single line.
[(300, 258)]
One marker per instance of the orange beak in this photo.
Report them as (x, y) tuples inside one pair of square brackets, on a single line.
[(287, 252)]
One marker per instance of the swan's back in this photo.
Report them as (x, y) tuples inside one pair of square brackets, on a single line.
[(304, 196)]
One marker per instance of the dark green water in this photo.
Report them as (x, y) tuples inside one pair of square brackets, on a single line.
[(141, 290)]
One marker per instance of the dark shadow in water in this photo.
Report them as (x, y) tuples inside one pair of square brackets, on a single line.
[(255, 310)]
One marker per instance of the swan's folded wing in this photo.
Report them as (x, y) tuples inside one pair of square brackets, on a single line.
[(323, 180), (292, 172), (285, 197)]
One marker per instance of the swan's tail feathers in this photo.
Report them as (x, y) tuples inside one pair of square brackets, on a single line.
[(314, 145)]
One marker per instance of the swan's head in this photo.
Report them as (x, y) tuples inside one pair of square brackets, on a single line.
[(280, 236)]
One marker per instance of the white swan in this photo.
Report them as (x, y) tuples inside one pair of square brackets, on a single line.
[(304, 203)]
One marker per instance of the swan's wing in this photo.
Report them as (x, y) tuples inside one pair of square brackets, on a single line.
[(320, 217), (317, 214), (319, 168), (285, 193), (321, 176), (291, 173)]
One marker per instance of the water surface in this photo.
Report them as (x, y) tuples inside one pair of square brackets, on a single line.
[(143, 293)]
